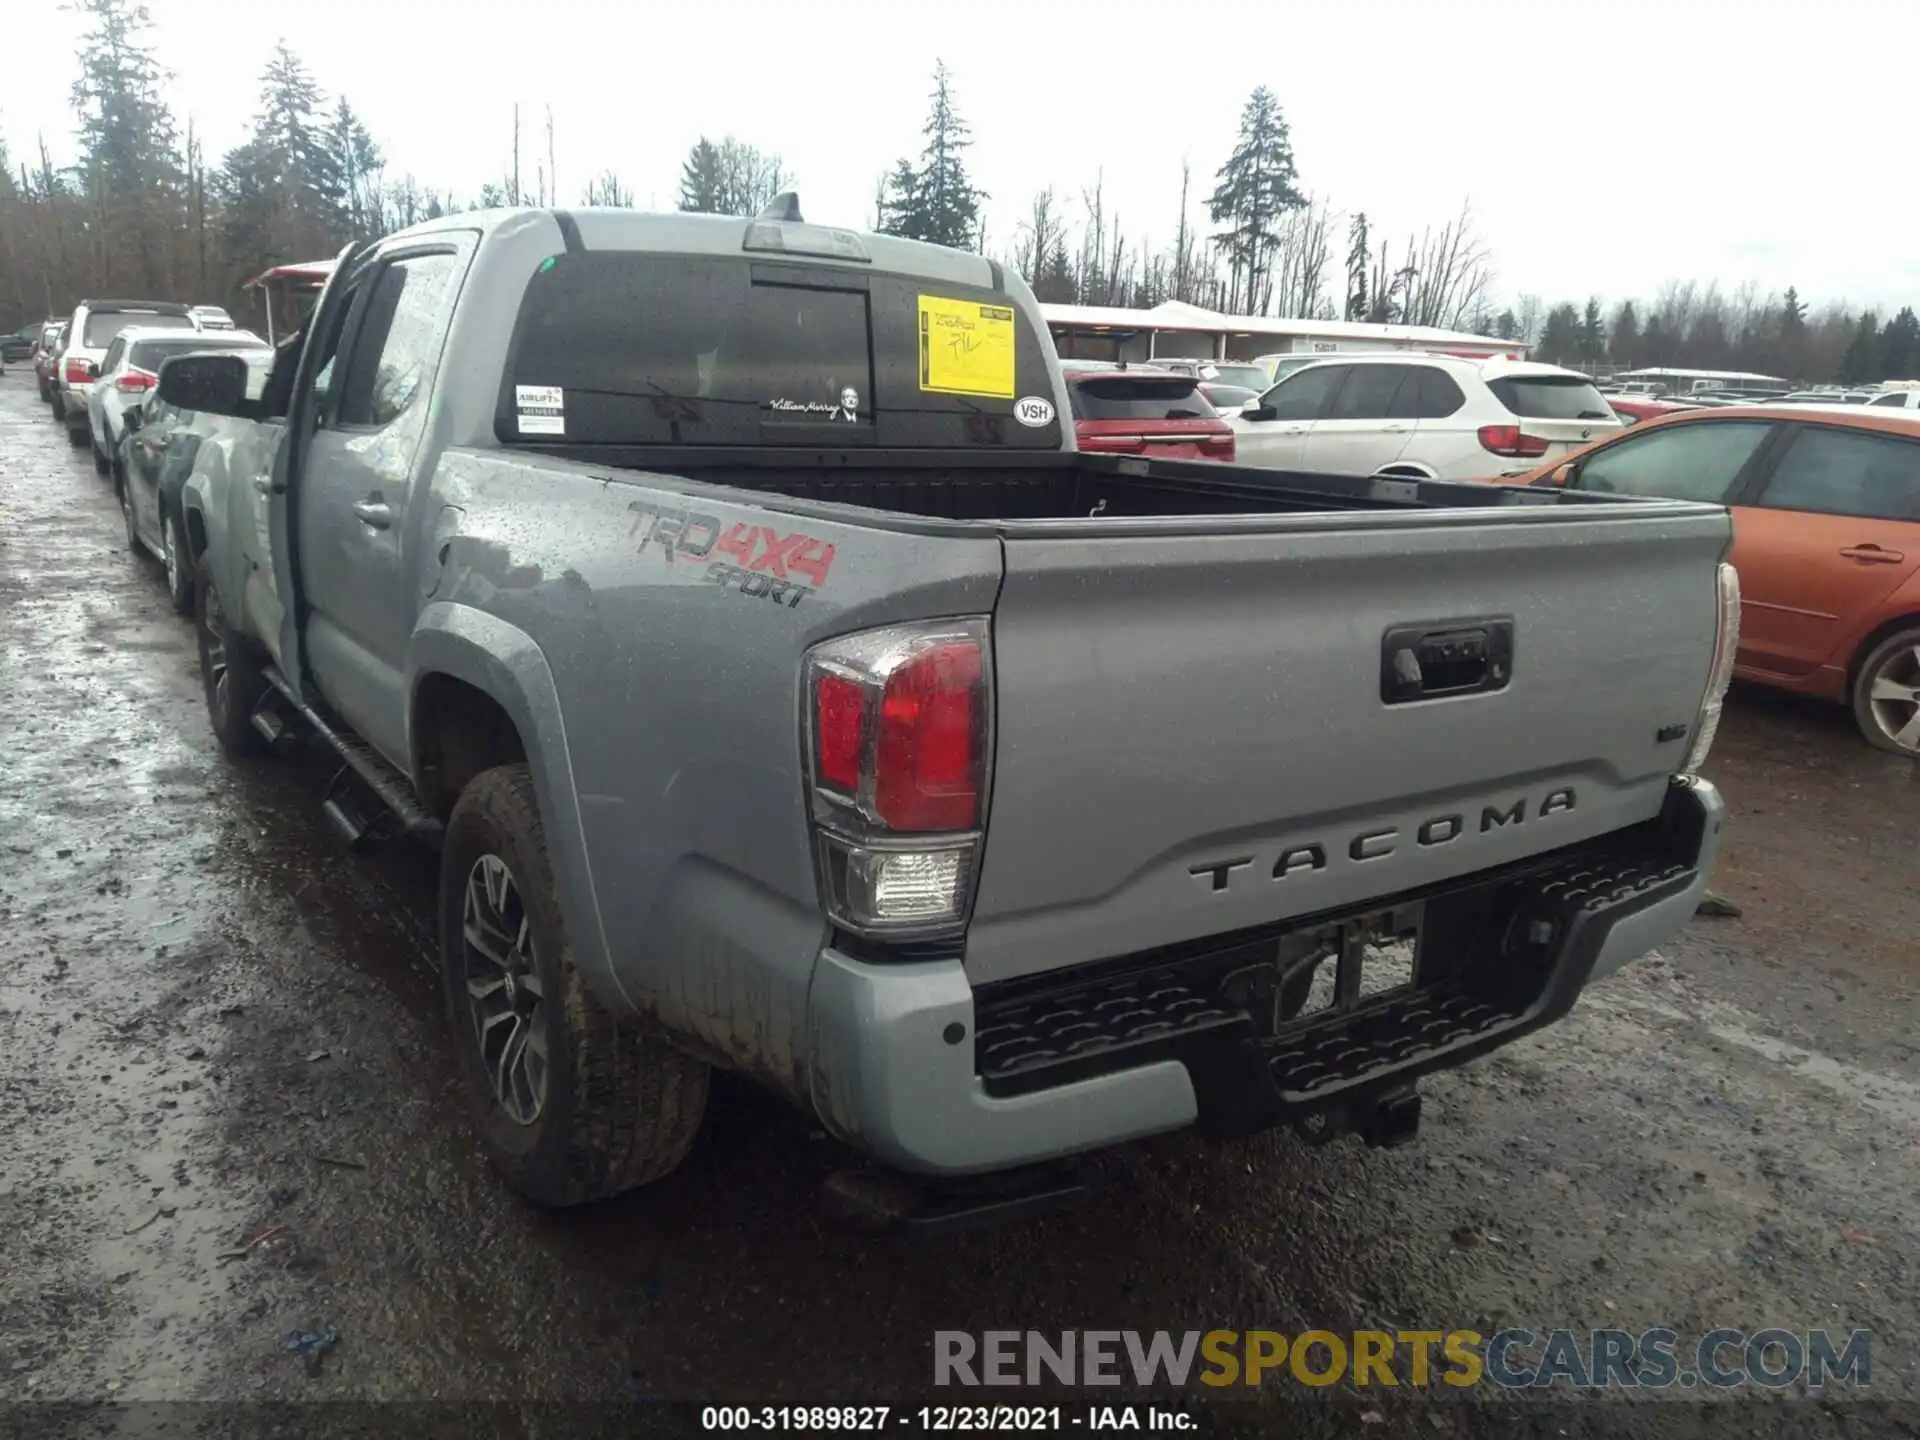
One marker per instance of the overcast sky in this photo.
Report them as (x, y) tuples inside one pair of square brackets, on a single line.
[(1604, 148)]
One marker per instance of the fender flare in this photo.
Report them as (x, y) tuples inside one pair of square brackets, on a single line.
[(505, 663), (204, 495)]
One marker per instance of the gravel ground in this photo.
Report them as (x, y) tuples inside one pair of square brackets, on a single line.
[(216, 1027)]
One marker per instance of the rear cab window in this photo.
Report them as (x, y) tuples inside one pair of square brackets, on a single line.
[(641, 349), (1550, 397), (1127, 397)]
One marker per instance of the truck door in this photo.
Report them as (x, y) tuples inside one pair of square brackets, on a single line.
[(358, 478)]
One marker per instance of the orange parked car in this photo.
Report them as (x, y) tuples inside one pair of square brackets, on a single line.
[(1826, 537)]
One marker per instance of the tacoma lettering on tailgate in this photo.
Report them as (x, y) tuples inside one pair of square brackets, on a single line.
[(1379, 844)]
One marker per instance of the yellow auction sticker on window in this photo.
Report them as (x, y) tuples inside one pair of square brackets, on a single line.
[(966, 348)]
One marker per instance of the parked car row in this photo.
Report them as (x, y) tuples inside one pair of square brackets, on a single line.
[(99, 371)]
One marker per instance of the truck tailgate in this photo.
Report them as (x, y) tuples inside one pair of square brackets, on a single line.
[(1194, 734)]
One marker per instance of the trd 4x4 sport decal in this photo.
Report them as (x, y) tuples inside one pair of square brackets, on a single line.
[(757, 561)]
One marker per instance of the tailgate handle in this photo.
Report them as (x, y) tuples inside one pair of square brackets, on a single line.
[(1446, 657)]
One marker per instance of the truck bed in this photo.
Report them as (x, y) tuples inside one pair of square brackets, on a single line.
[(1058, 485)]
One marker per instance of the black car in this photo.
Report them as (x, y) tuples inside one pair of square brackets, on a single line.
[(19, 345)]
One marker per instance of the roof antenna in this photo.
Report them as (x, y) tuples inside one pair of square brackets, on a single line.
[(784, 206)]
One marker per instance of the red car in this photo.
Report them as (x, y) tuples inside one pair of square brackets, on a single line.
[(1145, 412), (1634, 408)]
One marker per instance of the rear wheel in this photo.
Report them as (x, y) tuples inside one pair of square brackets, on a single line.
[(102, 462), (173, 552), (229, 673), (1886, 694), (134, 542), (572, 1103), (78, 435), (59, 406)]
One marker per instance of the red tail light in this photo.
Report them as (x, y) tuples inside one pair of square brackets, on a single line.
[(926, 775), (897, 731), (79, 372), (1507, 440), (133, 382), (1219, 447), (840, 711)]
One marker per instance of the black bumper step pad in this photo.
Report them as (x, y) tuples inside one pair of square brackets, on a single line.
[(1036, 1038)]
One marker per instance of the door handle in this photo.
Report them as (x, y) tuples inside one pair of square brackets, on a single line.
[(1393, 429), (1872, 554), (374, 513), (263, 483)]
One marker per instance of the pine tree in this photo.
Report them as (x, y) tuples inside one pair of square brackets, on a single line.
[(1506, 325), (700, 178), (283, 187), (1899, 347), (936, 200), (1593, 334), (1625, 344), (1560, 341), (900, 198), (358, 166), (130, 171), (1254, 188), (1793, 321), (1862, 361), (1359, 250)]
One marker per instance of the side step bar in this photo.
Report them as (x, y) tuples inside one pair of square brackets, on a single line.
[(393, 788)]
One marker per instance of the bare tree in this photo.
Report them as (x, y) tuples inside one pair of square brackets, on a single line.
[(1447, 274), (1531, 310), (607, 189), (1300, 266)]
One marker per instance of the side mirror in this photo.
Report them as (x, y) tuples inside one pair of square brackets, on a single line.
[(213, 384), (1560, 478), (1254, 410)]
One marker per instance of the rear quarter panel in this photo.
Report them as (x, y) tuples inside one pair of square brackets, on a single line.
[(669, 754)]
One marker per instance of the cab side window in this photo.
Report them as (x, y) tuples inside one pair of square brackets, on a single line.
[(397, 342)]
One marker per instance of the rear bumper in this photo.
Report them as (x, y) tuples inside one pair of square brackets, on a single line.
[(932, 1076)]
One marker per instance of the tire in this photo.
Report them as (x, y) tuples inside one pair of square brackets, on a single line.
[(613, 1106), (179, 564), (135, 546), (59, 406), (230, 675), (46, 391), (1889, 719), (102, 462), (78, 435)]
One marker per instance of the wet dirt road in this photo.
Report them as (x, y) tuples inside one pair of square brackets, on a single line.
[(215, 1026)]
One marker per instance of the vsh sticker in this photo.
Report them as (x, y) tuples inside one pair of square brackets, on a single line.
[(1033, 411)]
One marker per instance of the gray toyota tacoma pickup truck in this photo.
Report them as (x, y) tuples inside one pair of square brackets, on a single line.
[(728, 603)]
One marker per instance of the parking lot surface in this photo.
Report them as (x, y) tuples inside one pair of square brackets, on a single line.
[(217, 1027)]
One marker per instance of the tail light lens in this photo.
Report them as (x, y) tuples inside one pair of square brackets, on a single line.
[(899, 724), (79, 372), (1218, 447), (1726, 644), (133, 382), (1507, 440)]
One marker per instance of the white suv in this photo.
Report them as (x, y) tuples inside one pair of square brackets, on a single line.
[(1432, 416)]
